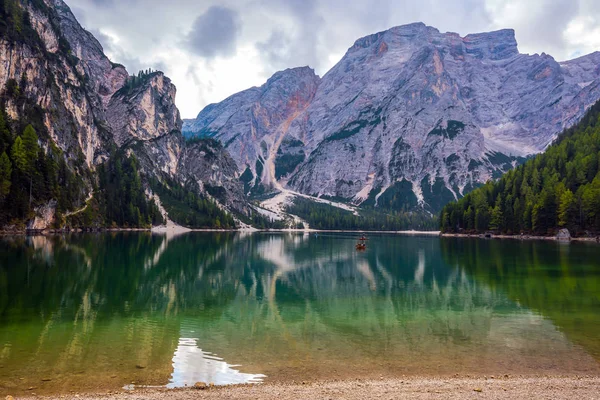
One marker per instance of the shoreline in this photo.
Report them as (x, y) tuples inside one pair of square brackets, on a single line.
[(402, 387), (182, 230), (179, 230), (520, 237)]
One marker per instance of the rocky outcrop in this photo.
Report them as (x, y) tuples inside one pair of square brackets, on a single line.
[(253, 124), (144, 113), (408, 107), (206, 163), (89, 107), (146, 119), (44, 217), (563, 234)]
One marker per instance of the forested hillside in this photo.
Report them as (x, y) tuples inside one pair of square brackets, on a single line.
[(323, 216), (31, 175), (559, 188), (83, 144)]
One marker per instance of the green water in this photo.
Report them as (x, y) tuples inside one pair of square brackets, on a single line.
[(106, 311)]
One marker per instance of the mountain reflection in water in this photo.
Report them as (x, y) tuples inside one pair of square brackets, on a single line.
[(101, 311)]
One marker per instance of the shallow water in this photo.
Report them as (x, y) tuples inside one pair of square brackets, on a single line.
[(107, 311)]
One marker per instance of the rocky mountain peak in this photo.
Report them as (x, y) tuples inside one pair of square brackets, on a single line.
[(408, 116), (262, 116), (144, 109), (409, 31), (88, 110), (297, 85), (84, 44), (291, 88), (496, 45), (298, 73), (103, 77)]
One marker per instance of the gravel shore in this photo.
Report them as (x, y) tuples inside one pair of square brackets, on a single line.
[(594, 239), (409, 388)]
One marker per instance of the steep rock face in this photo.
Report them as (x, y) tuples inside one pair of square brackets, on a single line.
[(144, 113), (206, 163), (44, 217), (103, 77), (69, 78), (89, 106), (415, 108), (55, 96), (145, 121), (146, 118), (253, 124)]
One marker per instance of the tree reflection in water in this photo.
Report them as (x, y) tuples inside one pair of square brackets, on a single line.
[(102, 310)]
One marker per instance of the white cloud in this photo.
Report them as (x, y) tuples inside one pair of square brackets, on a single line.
[(539, 24), (269, 35), (583, 34)]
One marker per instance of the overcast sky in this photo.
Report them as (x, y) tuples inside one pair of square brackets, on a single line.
[(214, 48)]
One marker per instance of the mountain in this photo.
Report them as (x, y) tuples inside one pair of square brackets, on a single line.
[(409, 118), (253, 125), (559, 188), (84, 143)]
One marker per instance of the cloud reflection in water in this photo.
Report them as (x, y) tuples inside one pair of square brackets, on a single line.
[(191, 364)]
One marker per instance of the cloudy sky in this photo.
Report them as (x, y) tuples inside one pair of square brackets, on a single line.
[(214, 48)]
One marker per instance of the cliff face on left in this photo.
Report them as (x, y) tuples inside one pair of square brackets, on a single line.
[(84, 143)]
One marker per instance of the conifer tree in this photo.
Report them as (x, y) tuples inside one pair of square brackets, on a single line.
[(558, 188), (5, 136), (31, 147), (19, 156), (567, 211), (5, 176)]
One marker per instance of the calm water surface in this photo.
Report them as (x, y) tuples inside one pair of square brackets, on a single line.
[(107, 311)]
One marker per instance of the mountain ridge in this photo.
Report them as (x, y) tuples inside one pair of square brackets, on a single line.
[(409, 119), (98, 138), (411, 106)]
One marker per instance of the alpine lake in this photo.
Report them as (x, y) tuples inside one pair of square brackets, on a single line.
[(100, 312)]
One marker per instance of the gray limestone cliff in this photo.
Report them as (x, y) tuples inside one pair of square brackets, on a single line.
[(409, 113), (88, 107)]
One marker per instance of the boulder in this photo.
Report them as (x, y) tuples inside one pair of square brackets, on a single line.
[(563, 234), (44, 216)]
